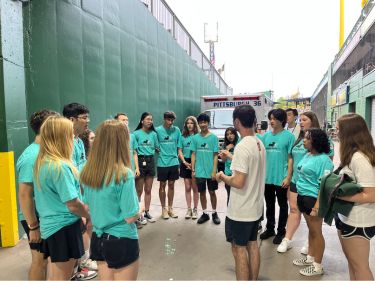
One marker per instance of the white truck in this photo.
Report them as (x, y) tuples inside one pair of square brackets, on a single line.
[(220, 109)]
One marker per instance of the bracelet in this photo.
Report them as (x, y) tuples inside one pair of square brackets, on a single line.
[(35, 228), (32, 225)]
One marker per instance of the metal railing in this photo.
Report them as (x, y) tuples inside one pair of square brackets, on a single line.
[(165, 16)]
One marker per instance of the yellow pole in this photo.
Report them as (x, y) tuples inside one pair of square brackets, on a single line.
[(364, 2), (341, 37), (8, 198)]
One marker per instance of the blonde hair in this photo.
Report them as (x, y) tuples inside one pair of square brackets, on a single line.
[(56, 145), (109, 156)]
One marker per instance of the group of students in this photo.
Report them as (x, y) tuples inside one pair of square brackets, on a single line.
[(79, 200), (80, 191), (296, 163)]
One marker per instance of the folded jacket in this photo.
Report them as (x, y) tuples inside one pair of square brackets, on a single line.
[(331, 187)]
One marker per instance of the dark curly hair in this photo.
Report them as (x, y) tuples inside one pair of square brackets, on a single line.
[(37, 119), (319, 140)]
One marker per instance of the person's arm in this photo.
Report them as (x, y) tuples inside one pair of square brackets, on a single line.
[(76, 207), (315, 209), (135, 156), (366, 196), (288, 178), (193, 164), (214, 169), (25, 195), (237, 180), (182, 157)]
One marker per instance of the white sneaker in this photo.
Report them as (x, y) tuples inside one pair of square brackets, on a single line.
[(89, 264), (311, 271), (302, 261), (194, 216), (142, 220), (284, 246), (305, 248), (189, 213)]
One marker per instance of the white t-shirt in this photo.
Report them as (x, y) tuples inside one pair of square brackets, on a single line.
[(360, 169), (295, 130), (249, 157)]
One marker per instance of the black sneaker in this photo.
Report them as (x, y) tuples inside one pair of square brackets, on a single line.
[(215, 218), (267, 234), (278, 238), (204, 217)]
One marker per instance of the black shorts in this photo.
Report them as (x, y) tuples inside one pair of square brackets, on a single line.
[(185, 173), (305, 203), (146, 165), (241, 232), (293, 187), (33, 246), (201, 183), (168, 173), (348, 231), (65, 244), (116, 252)]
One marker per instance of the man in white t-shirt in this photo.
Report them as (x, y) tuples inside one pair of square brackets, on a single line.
[(291, 120), (247, 183)]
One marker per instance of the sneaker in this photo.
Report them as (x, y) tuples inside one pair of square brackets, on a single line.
[(204, 217), (278, 238), (85, 274), (171, 213), (267, 234), (302, 261), (305, 248), (189, 213), (164, 213), (138, 224), (148, 217), (215, 218), (284, 246), (143, 220), (311, 271), (89, 264), (194, 216)]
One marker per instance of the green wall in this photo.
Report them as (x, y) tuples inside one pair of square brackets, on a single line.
[(111, 55)]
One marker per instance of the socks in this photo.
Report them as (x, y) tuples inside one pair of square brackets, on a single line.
[(205, 211), (318, 266), (309, 258)]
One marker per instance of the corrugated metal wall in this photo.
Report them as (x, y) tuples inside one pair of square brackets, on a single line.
[(111, 55)]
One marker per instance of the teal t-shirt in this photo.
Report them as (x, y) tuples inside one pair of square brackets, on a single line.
[(168, 144), (228, 162), (79, 154), (310, 170), (111, 205), (298, 151), (185, 144), (146, 142), (25, 168), (133, 147), (55, 189), (278, 147), (204, 148)]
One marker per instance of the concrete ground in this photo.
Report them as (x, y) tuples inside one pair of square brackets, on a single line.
[(179, 249)]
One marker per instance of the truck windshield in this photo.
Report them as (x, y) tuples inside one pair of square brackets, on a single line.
[(222, 119)]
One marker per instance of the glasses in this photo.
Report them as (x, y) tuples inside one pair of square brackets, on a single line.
[(84, 117)]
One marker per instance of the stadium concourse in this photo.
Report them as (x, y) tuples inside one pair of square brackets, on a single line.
[(179, 249)]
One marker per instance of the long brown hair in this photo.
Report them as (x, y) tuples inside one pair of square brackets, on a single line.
[(314, 124), (56, 145), (354, 136), (109, 157), (185, 131)]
